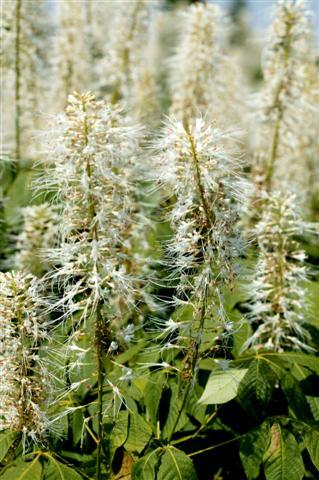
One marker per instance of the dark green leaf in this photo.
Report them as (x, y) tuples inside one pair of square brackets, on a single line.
[(175, 465), (296, 399), (312, 444), (252, 449), (256, 386), (283, 460)]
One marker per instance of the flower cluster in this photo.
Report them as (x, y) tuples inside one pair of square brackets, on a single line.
[(201, 171), (71, 60), (94, 173), (194, 66), (126, 41), (282, 104), (24, 389), (279, 304)]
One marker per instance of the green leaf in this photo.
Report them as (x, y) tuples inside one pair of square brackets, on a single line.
[(120, 429), (175, 406), (307, 380), (311, 439), (252, 448), (24, 470), (303, 359), (77, 426), (297, 401), (222, 386), (283, 460), (256, 385), (175, 465), (139, 434), (145, 467), (314, 406), (6, 440), (152, 398), (119, 432), (55, 470)]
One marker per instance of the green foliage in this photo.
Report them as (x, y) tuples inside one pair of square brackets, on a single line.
[(257, 384), (283, 459), (252, 448), (55, 470), (175, 465), (146, 467), (311, 439), (222, 386), (139, 434), (7, 438), (252, 415), (21, 469)]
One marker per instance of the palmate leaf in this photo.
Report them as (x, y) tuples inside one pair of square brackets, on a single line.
[(283, 460), (252, 449), (175, 465), (222, 386), (21, 469), (288, 358), (280, 361)]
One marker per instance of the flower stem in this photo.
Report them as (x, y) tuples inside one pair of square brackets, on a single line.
[(203, 298), (17, 85), (100, 380), (99, 325), (199, 184)]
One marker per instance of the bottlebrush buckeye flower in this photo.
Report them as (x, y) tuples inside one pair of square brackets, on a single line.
[(93, 178), (24, 388), (196, 164), (279, 302), (282, 103), (203, 79)]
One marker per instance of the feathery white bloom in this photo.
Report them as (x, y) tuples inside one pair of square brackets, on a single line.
[(24, 389), (93, 176), (204, 81), (279, 304), (282, 103), (195, 62), (125, 42), (71, 56), (195, 163)]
